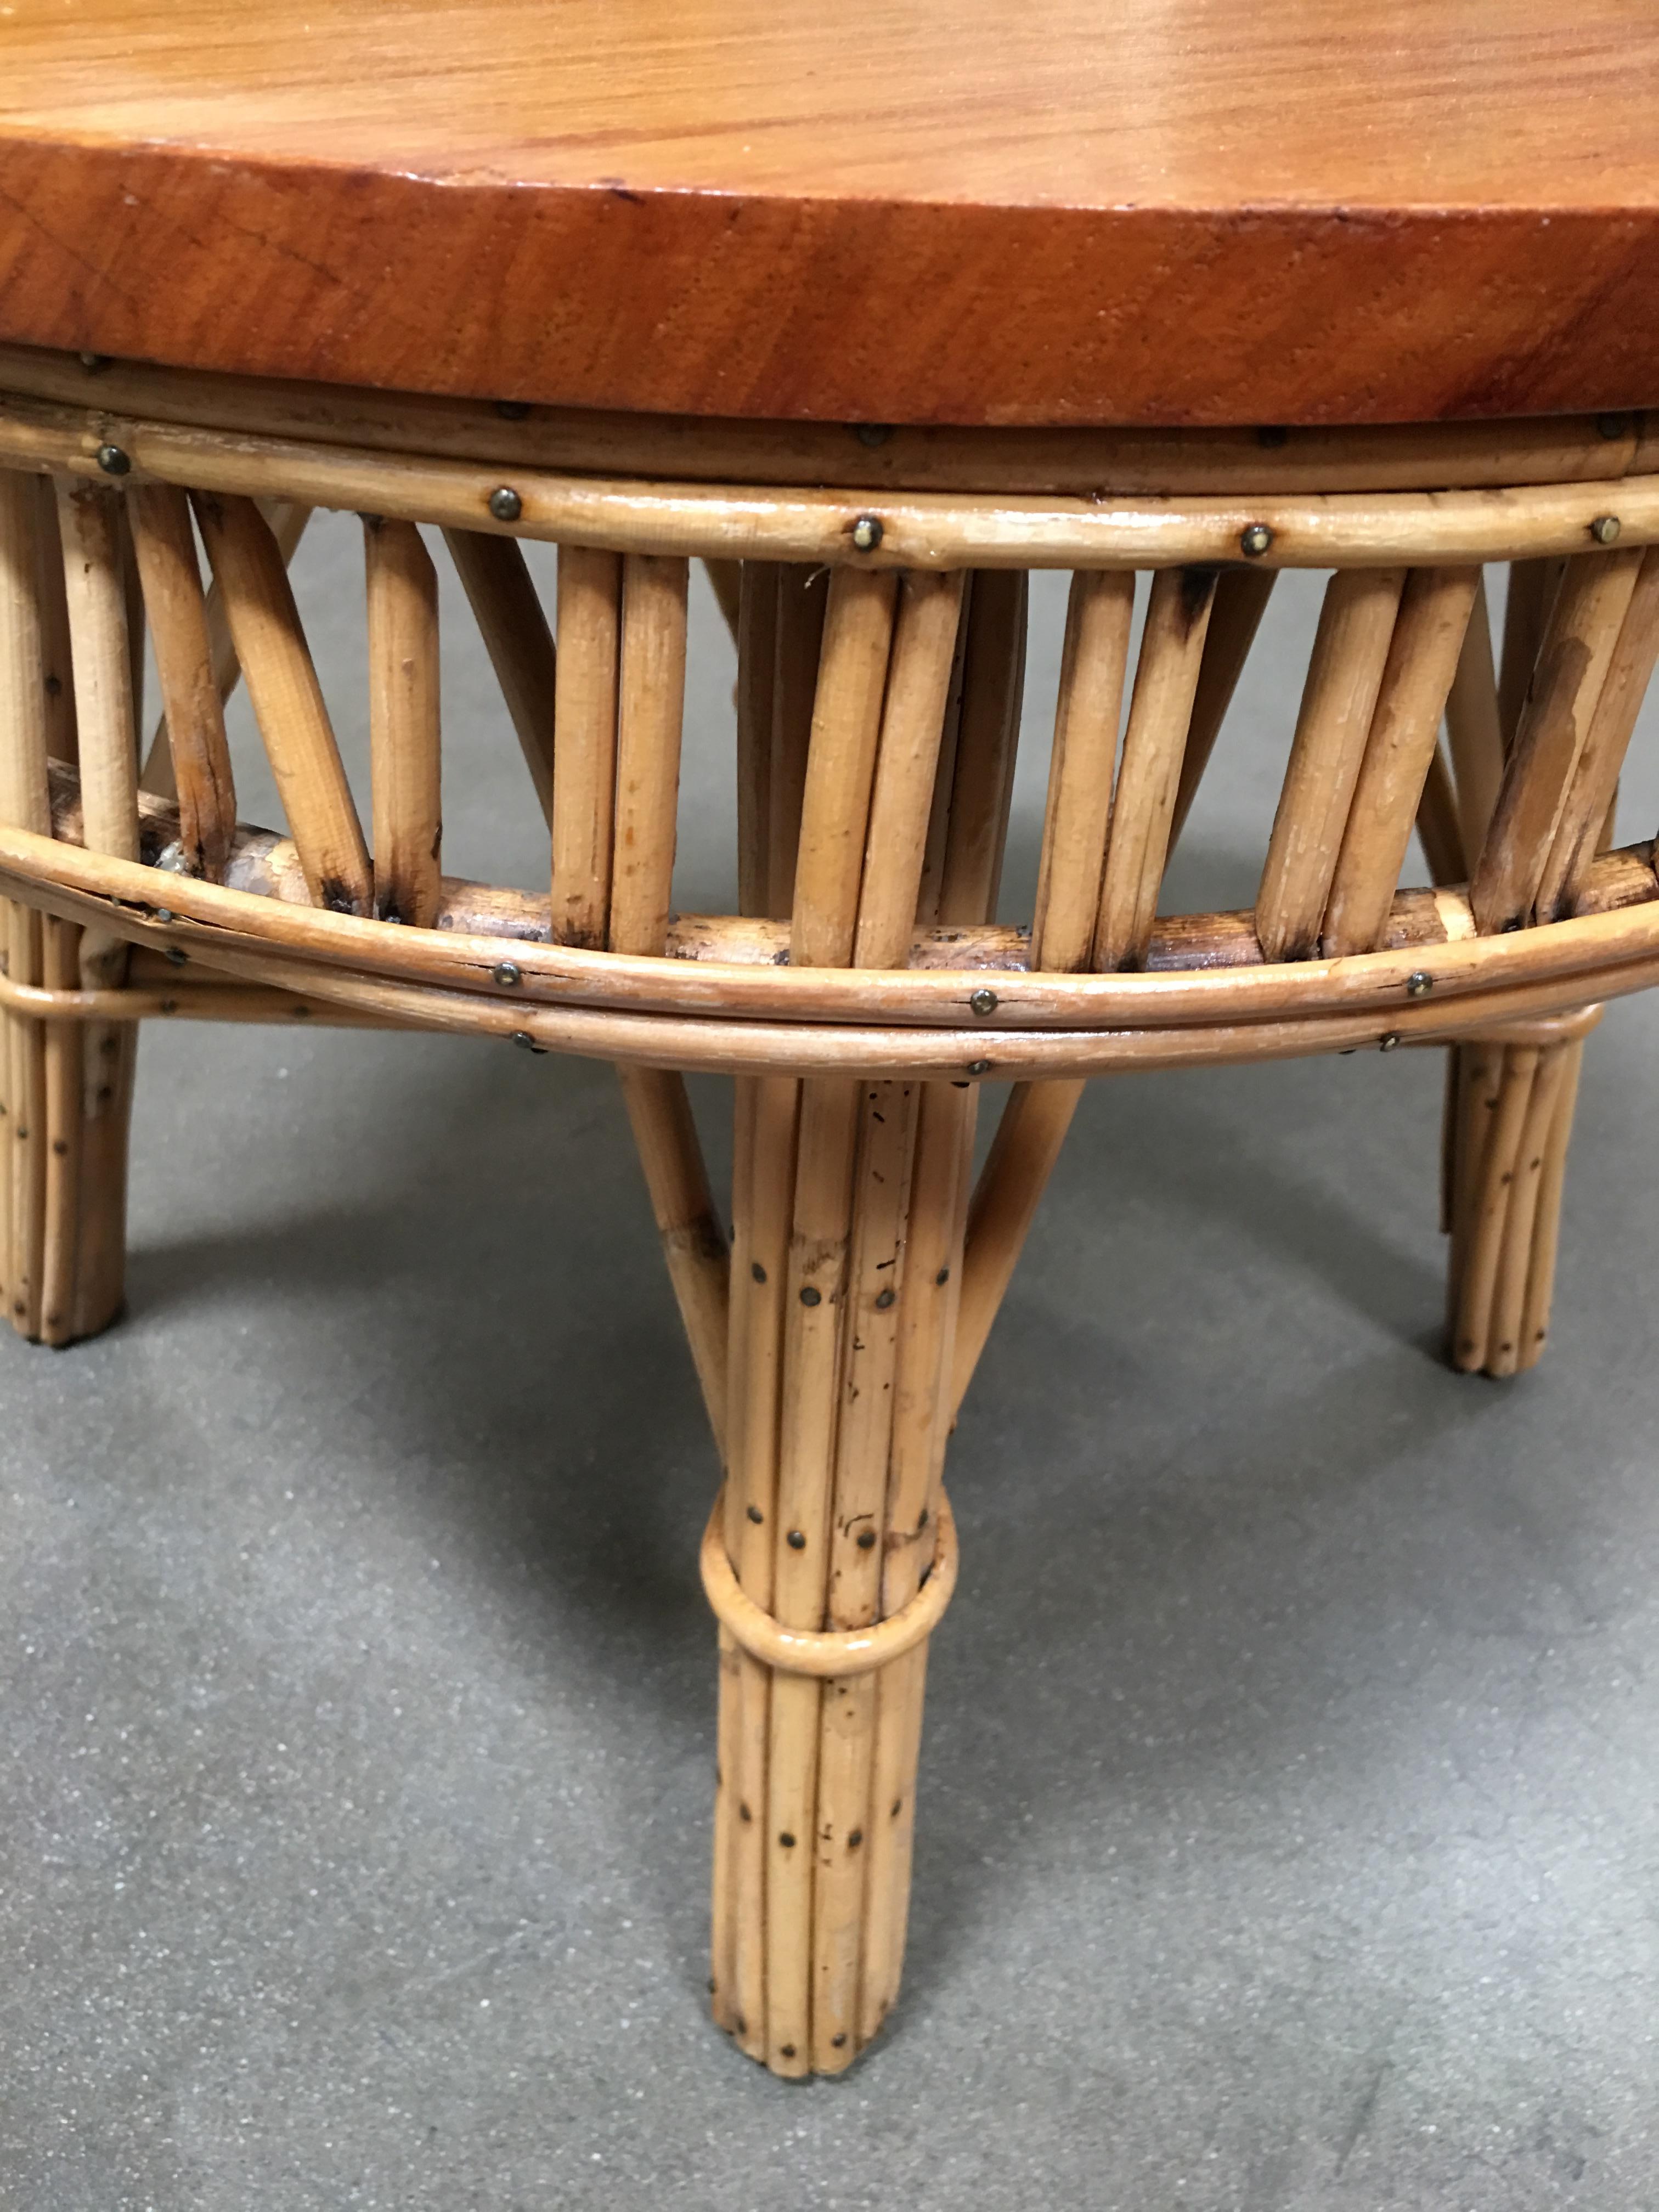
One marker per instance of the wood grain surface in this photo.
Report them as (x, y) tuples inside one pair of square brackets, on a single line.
[(1168, 211)]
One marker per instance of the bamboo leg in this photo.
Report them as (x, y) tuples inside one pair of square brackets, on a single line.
[(194, 720)]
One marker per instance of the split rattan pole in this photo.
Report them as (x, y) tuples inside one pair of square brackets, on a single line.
[(1586, 812), (650, 714), (834, 818), (1036, 1116), (1241, 601), (1473, 729), (923, 1411), (56, 663), (757, 650), (1540, 1270), (879, 1297), (288, 520), (192, 708), (798, 646), (1091, 702), (404, 725), (694, 1243), (89, 522), (912, 724), (988, 738), (652, 692), (1504, 1348), (1531, 595), (511, 622), (1438, 826), (879, 1293), (64, 1079), (1160, 712), (287, 702), (589, 625), (1402, 744), (1585, 621), (1351, 649), (24, 801), (725, 582)]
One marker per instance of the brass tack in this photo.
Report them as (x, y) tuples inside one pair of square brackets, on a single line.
[(1255, 540), (796, 1541), (1604, 529), (983, 1002), (505, 504), (112, 461), (866, 533), (1419, 984), (811, 1296), (508, 973), (884, 1300)]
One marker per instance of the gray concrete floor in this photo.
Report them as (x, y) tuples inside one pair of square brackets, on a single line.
[(1288, 1834)]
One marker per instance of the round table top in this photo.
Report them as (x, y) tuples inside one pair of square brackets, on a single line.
[(966, 211)]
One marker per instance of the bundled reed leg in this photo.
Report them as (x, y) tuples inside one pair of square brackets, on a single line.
[(848, 1213), (1512, 1121)]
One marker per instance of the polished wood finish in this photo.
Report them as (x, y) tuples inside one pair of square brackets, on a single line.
[(1177, 211)]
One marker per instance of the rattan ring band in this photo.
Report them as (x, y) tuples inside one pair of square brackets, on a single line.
[(834, 1654)]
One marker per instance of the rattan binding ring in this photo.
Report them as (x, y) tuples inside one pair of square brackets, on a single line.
[(834, 1654)]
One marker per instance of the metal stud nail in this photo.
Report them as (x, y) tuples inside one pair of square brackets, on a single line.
[(810, 1296), (1610, 425), (855, 1839), (112, 461), (796, 1542), (1604, 529), (511, 410), (872, 433), (94, 362), (867, 1540), (983, 1002), (943, 1276), (508, 973), (177, 954), (979, 1067), (1388, 1042), (1255, 540), (788, 2050), (505, 504), (164, 913), (786, 1840), (884, 1300), (1419, 984), (757, 1270), (755, 1514), (524, 1038), (866, 533)]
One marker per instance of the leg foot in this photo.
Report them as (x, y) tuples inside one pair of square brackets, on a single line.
[(1509, 1108)]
